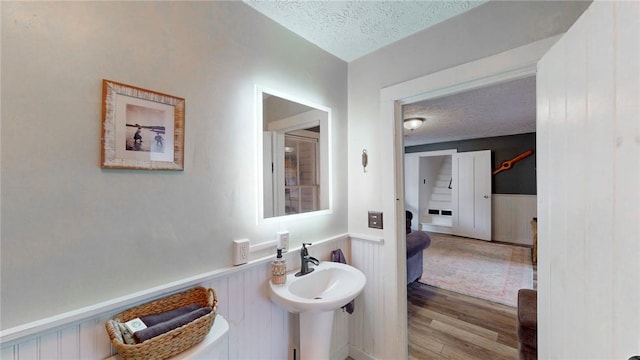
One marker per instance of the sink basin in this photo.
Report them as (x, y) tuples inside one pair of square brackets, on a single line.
[(316, 296), (329, 287)]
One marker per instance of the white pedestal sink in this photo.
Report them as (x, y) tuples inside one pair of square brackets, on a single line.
[(315, 297)]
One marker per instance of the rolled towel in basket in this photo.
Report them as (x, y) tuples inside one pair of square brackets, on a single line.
[(158, 318), (169, 325)]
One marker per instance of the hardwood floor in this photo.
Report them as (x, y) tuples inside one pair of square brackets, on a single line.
[(448, 325)]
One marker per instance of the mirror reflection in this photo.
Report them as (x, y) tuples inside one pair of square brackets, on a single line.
[(295, 157)]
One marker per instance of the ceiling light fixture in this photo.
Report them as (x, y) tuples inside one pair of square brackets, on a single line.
[(413, 123)]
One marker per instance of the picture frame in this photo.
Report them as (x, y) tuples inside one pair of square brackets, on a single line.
[(141, 128)]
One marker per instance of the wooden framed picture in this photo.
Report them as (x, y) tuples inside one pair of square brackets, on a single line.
[(141, 129)]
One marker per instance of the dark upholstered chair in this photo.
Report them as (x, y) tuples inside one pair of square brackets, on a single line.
[(527, 324), (417, 241)]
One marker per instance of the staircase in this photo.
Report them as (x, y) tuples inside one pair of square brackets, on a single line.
[(438, 215)]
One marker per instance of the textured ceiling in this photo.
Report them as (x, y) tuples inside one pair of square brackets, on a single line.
[(503, 109), (351, 29)]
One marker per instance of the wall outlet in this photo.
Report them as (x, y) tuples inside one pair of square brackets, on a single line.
[(282, 240), (240, 251)]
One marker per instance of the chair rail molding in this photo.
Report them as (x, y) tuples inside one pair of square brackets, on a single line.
[(80, 334)]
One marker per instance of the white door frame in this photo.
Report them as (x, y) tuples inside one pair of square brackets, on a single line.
[(510, 65), (414, 189)]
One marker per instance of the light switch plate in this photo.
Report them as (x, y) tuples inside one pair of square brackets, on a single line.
[(375, 219)]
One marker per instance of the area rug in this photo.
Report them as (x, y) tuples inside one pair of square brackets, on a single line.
[(477, 268)]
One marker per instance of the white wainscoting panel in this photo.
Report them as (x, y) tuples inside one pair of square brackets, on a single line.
[(512, 215), (258, 329), (367, 323)]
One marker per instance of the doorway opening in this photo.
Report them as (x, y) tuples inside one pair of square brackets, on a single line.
[(428, 184), (510, 65), (450, 192)]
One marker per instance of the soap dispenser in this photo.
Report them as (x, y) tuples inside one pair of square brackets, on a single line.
[(279, 269)]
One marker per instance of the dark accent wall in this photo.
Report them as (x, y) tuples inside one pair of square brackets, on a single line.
[(520, 179)]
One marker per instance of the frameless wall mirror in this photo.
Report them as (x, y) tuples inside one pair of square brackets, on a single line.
[(295, 156)]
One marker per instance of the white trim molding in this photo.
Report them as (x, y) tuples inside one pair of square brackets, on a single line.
[(364, 237), (509, 65)]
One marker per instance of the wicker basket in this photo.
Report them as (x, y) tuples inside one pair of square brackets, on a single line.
[(170, 343)]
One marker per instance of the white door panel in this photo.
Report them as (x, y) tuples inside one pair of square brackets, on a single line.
[(472, 194), (588, 168), (273, 173), (268, 174)]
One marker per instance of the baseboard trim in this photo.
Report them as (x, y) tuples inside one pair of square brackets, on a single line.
[(358, 354)]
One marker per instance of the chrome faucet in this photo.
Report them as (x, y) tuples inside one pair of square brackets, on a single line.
[(305, 259)]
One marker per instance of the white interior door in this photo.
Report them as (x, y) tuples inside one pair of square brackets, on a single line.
[(472, 194), (412, 186), (268, 174), (273, 173), (588, 167)]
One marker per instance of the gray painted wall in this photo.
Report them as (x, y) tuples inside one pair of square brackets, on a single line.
[(520, 179), (73, 234)]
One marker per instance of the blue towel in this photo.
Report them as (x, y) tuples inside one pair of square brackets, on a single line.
[(155, 319), (338, 256), (169, 325)]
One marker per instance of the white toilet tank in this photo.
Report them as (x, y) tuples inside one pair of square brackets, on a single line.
[(214, 346)]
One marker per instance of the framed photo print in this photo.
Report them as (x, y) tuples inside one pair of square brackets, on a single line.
[(141, 129)]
